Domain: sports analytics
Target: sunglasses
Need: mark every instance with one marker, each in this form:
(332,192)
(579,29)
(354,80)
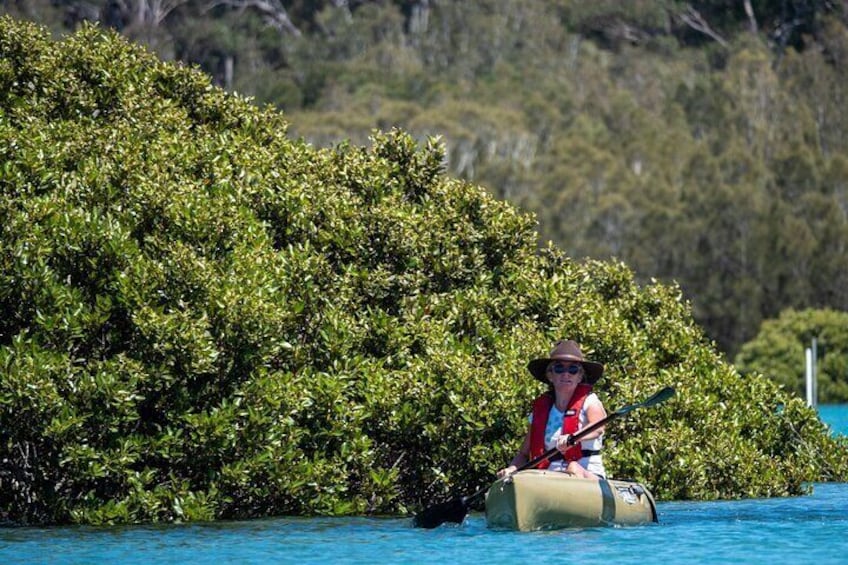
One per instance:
(561,368)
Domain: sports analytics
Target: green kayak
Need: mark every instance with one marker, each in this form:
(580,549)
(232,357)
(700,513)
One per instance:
(541,500)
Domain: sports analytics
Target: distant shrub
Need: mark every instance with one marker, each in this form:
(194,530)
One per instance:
(778,352)
(204,318)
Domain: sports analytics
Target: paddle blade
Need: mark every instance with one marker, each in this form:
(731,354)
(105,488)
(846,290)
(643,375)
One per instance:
(450,511)
(653,400)
(660,396)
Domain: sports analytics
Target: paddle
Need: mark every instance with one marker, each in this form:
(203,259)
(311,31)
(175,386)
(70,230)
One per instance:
(455,510)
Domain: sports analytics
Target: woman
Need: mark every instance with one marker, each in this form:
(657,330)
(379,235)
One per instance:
(568,406)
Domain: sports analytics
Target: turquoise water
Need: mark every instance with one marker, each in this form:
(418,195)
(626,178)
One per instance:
(808,529)
(835,416)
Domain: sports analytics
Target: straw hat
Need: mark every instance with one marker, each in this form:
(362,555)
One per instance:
(566,351)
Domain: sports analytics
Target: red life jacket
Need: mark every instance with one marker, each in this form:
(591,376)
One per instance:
(570,423)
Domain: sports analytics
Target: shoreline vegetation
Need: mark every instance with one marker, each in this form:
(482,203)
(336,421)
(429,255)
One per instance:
(207,318)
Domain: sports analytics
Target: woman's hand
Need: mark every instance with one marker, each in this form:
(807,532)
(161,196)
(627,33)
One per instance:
(507,471)
(562,443)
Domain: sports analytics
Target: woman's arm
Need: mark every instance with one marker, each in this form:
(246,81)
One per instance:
(522,457)
(595,413)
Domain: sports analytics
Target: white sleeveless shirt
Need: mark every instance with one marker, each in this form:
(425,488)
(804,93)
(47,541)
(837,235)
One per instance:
(594,463)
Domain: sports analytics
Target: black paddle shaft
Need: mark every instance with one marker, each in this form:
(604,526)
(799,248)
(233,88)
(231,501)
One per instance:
(455,509)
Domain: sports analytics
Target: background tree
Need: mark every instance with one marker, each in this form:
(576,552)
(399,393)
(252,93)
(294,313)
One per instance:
(703,142)
(779,352)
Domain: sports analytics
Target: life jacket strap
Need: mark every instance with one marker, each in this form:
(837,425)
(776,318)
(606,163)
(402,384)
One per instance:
(584,453)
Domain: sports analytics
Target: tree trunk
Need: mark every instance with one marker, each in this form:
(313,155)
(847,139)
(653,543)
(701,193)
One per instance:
(229,64)
(752,20)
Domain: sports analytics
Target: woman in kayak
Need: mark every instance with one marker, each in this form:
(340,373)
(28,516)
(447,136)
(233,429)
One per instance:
(568,406)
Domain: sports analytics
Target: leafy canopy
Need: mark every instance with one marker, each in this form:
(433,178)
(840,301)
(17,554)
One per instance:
(205,318)
(779,352)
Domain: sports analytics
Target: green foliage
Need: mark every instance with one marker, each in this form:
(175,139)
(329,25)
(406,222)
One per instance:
(205,318)
(718,168)
(778,352)
(701,143)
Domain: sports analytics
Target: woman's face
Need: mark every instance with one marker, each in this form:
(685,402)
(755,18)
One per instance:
(565,373)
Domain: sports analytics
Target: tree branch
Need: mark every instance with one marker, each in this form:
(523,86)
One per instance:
(273,12)
(146,12)
(691,17)
(752,20)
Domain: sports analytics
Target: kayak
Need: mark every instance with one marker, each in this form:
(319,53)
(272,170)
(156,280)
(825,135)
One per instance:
(542,500)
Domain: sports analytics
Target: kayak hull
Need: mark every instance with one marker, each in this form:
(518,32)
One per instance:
(541,500)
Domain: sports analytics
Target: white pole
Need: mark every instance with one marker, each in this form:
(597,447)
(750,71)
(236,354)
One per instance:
(815,374)
(809,374)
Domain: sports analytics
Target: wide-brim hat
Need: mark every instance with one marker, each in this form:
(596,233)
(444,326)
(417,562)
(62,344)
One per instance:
(566,351)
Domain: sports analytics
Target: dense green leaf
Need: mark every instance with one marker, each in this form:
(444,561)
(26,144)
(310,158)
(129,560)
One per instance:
(206,318)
